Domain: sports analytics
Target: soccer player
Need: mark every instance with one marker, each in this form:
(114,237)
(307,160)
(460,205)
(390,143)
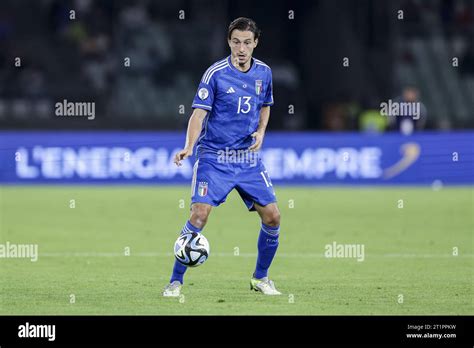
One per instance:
(231,112)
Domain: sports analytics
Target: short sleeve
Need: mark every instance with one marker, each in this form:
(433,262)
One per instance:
(204,98)
(269,95)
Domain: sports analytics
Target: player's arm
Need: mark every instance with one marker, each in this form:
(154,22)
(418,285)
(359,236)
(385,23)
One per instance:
(192,134)
(262,126)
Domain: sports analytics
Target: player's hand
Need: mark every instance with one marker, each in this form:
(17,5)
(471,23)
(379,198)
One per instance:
(181,155)
(258,142)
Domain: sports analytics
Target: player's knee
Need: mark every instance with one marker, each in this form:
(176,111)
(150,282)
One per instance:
(272,218)
(199,215)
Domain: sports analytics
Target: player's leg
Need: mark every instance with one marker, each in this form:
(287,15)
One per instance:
(210,187)
(198,219)
(267,239)
(267,247)
(256,190)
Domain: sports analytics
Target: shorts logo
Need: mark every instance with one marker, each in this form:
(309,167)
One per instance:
(258,86)
(202,189)
(203,93)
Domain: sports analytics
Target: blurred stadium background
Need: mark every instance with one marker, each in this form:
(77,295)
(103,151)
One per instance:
(325,129)
(83,59)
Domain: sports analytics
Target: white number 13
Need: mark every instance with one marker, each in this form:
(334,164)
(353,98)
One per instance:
(246,102)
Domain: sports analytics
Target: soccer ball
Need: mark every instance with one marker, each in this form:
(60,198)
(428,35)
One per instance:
(191,249)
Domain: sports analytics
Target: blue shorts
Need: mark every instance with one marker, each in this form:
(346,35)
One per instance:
(213,181)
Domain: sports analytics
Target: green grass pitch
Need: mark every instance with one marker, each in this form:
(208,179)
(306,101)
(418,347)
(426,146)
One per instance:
(409,266)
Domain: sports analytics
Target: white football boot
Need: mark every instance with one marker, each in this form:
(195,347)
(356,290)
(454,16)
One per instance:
(264,285)
(172,289)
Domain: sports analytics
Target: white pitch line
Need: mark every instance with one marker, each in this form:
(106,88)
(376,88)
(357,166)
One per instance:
(252,255)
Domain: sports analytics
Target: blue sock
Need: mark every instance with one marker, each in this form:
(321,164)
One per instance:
(179,269)
(267,247)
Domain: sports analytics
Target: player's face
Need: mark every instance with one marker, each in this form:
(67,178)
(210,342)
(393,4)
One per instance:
(242,44)
(410,94)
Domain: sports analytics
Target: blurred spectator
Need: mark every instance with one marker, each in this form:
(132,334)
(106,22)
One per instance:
(335,117)
(407,124)
(370,121)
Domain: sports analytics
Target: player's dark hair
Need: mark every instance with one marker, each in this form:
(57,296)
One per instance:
(244,24)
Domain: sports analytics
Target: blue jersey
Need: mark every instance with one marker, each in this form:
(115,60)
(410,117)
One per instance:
(233,100)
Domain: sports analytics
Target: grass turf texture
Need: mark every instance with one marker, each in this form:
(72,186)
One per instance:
(408,251)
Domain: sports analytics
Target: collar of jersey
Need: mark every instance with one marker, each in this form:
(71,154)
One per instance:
(237,70)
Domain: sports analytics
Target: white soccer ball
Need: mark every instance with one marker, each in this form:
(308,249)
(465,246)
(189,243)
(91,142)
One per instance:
(191,249)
